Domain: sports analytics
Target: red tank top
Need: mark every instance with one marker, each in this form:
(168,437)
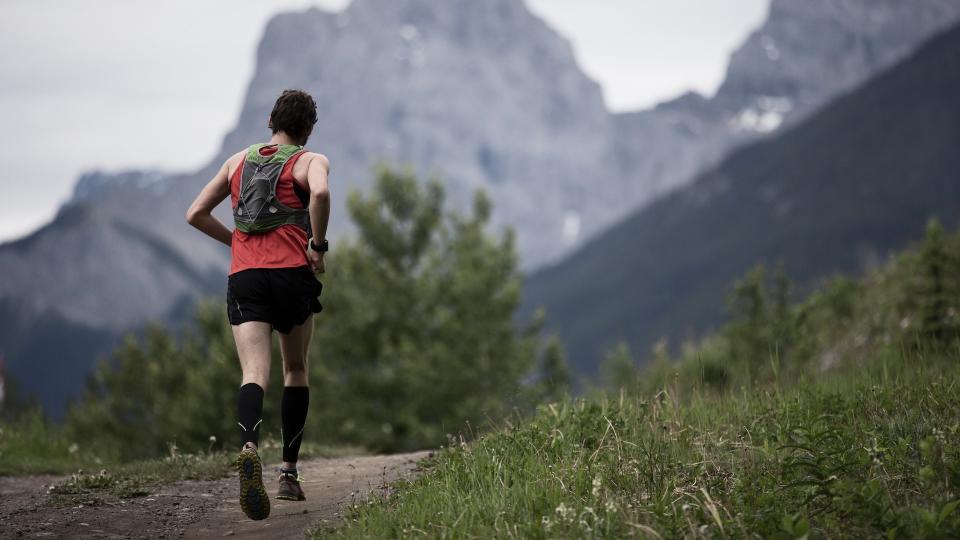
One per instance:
(283,247)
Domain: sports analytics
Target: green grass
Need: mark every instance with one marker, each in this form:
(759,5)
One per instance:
(31,445)
(867,453)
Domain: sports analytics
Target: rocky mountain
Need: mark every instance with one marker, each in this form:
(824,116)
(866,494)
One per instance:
(481,93)
(805,54)
(484,94)
(836,193)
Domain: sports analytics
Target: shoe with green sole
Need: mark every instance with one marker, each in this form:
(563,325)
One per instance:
(253,496)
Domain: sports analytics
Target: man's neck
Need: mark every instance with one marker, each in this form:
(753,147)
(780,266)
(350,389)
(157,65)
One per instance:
(282,138)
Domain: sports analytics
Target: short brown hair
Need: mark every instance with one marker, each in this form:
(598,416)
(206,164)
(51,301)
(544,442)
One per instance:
(294,113)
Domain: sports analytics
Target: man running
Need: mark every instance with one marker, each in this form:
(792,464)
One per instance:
(281,206)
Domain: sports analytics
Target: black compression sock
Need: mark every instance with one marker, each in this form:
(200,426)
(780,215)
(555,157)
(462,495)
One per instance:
(293,411)
(250,412)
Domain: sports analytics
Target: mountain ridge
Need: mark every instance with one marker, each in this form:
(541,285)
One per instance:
(486,94)
(834,194)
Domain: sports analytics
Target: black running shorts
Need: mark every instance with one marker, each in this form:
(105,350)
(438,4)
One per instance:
(283,297)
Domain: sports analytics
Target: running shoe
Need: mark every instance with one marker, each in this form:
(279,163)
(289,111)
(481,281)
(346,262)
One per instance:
(290,489)
(253,496)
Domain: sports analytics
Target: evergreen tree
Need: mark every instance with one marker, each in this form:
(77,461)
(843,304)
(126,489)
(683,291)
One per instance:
(749,333)
(937,291)
(783,324)
(157,390)
(619,370)
(417,335)
(555,378)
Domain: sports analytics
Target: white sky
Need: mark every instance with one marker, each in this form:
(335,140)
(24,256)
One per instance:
(112,83)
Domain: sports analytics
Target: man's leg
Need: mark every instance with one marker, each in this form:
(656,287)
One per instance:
(296,392)
(253,348)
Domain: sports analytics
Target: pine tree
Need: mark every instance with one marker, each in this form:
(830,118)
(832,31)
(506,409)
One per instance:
(619,370)
(417,335)
(783,327)
(555,378)
(936,294)
(749,333)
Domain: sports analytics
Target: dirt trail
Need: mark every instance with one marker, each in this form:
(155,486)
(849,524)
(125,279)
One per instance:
(207,509)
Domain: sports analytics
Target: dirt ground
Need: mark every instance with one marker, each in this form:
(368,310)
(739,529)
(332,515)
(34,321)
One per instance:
(203,509)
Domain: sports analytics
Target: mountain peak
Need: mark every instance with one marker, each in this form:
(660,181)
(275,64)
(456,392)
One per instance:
(429,10)
(809,51)
(469,23)
(483,92)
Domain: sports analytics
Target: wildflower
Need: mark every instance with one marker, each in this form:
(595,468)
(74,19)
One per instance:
(876,452)
(73,448)
(588,519)
(565,513)
(597,482)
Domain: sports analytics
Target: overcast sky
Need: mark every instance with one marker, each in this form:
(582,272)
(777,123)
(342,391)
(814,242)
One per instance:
(111,83)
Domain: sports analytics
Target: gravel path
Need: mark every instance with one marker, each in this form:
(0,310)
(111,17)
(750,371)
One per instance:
(203,509)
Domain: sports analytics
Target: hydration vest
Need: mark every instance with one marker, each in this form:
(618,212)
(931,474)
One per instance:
(258,210)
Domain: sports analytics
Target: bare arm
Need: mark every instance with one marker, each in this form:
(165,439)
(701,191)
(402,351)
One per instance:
(200,212)
(319,207)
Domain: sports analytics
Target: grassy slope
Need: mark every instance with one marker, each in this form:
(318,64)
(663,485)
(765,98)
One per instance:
(866,454)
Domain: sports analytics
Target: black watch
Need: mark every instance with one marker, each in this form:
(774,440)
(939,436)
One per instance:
(323,247)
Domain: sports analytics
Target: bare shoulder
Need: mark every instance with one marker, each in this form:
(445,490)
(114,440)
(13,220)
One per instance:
(233,162)
(236,158)
(319,158)
(305,162)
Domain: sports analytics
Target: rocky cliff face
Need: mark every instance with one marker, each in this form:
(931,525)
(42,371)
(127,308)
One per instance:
(482,94)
